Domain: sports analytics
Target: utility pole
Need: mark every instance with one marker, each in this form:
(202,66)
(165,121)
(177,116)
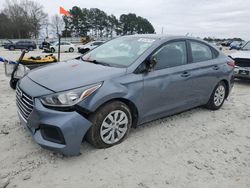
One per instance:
(59,46)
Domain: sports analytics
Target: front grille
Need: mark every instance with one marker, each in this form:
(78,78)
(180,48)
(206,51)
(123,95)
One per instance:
(242,62)
(24,103)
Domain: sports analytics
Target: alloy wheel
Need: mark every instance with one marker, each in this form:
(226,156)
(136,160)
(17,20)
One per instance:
(114,127)
(219,95)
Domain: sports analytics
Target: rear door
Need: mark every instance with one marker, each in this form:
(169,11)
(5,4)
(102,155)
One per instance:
(206,68)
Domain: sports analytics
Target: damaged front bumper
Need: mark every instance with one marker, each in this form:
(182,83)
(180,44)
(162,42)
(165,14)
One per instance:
(58,131)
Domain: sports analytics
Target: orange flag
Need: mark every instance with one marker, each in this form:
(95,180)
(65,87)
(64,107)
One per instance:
(64,12)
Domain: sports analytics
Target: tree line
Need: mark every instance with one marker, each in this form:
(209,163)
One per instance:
(22,19)
(100,24)
(27,19)
(210,39)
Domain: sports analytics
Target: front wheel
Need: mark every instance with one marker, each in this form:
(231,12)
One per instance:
(53,50)
(218,97)
(11,48)
(110,125)
(13,83)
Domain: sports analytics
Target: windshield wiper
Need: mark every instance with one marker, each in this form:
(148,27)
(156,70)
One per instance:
(98,62)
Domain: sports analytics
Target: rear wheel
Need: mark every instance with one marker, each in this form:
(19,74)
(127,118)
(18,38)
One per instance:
(218,97)
(30,48)
(111,125)
(11,48)
(71,50)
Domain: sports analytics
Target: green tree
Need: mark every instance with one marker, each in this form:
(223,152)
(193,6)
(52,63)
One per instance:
(131,24)
(23,19)
(98,23)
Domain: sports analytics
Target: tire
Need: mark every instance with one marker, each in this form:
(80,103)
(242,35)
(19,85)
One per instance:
(13,83)
(71,50)
(30,48)
(11,48)
(53,50)
(218,97)
(103,130)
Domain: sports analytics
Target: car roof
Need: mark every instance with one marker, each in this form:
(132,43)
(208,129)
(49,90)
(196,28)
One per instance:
(163,37)
(96,41)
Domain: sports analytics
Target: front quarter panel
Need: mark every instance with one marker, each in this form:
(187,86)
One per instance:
(127,87)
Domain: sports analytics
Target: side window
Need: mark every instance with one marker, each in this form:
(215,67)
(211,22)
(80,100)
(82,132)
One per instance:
(171,55)
(200,52)
(98,43)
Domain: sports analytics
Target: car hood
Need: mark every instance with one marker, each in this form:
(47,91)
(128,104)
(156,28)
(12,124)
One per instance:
(72,74)
(241,54)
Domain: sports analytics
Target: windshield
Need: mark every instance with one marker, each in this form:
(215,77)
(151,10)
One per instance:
(247,46)
(120,52)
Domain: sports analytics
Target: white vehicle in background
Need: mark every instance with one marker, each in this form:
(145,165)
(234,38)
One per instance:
(242,62)
(89,46)
(64,47)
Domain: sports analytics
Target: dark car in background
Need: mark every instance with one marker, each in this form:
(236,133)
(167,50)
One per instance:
(226,43)
(29,45)
(121,84)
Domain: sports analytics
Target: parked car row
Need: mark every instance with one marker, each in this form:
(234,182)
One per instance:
(53,46)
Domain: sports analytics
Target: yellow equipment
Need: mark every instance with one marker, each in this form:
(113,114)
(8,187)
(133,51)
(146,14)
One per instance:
(39,59)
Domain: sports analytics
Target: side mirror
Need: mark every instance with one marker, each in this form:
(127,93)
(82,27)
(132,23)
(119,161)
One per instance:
(150,64)
(147,66)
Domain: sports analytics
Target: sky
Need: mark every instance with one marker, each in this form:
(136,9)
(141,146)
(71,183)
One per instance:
(199,18)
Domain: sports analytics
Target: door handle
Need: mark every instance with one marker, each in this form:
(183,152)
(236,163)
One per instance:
(216,67)
(185,74)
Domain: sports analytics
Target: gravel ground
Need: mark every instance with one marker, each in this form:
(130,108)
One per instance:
(197,148)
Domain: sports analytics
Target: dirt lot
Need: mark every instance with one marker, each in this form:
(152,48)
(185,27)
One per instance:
(198,148)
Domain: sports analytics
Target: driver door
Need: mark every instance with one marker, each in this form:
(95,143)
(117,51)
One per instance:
(167,87)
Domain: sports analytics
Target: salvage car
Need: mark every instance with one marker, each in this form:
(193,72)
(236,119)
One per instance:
(242,62)
(89,46)
(121,84)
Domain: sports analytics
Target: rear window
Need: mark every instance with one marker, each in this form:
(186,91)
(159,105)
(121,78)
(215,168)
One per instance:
(201,52)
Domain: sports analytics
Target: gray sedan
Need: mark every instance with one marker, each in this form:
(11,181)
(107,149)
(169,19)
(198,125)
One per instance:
(119,85)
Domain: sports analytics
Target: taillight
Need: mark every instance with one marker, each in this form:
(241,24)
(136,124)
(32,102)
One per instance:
(231,63)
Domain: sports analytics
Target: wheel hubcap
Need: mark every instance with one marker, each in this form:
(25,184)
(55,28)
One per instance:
(114,127)
(219,95)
